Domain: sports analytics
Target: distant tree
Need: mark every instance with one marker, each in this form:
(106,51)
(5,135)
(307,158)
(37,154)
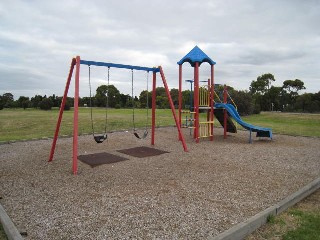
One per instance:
(23,102)
(162,102)
(161,91)
(143,99)
(125,100)
(292,87)
(7,100)
(36,100)
(303,102)
(175,96)
(260,90)
(1,103)
(186,97)
(243,101)
(46,104)
(275,98)
(101,96)
(85,101)
(262,84)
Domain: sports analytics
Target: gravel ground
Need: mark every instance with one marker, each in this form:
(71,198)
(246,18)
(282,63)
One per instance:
(176,195)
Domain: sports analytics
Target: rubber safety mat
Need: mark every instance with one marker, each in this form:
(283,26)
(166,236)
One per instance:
(142,152)
(97,159)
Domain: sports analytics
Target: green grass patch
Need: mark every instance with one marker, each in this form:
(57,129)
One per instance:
(308,229)
(296,124)
(3,235)
(19,124)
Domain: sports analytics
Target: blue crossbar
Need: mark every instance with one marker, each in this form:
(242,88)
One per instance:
(93,63)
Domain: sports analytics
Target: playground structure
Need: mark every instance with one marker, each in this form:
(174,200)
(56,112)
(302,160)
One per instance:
(75,64)
(203,99)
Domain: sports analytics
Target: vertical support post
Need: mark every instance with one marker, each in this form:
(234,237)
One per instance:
(63,103)
(225,112)
(212,101)
(76,118)
(173,110)
(180,97)
(196,101)
(180,93)
(153,127)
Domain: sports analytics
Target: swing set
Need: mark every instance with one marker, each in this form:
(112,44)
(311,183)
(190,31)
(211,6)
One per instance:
(99,138)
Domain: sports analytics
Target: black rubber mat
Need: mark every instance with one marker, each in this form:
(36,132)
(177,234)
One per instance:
(142,152)
(97,159)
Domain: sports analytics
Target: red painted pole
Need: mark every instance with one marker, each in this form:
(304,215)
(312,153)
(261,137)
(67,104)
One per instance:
(196,100)
(211,100)
(76,118)
(225,112)
(173,110)
(63,103)
(180,93)
(154,83)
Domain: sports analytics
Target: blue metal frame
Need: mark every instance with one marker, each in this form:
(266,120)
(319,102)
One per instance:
(93,63)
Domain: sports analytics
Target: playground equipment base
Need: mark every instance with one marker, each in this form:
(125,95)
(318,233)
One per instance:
(142,152)
(97,159)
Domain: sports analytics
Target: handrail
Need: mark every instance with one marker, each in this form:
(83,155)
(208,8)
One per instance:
(217,96)
(235,105)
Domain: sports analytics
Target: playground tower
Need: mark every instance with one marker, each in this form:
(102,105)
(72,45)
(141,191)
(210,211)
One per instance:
(196,57)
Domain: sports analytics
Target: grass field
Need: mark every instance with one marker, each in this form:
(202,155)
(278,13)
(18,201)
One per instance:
(19,124)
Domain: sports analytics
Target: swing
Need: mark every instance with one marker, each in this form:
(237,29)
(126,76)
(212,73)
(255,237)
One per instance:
(135,133)
(99,138)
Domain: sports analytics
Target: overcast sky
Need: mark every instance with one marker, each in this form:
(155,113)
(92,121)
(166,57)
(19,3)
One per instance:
(246,38)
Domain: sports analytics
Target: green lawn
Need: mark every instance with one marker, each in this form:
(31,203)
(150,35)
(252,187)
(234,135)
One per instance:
(3,235)
(297,124)
(19,124)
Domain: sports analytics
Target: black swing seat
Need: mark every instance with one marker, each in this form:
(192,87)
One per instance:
(100,138)
(145,134)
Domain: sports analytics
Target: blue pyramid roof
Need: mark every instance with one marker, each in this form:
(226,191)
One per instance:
(196,55)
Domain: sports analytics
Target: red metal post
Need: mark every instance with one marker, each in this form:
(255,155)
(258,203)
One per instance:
(196,101)
(154,83)
(76,118)
(211,100)
(225,112)
(63,103)
(173,110)
(180,93)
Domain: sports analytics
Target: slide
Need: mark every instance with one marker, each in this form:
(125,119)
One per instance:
(261,132)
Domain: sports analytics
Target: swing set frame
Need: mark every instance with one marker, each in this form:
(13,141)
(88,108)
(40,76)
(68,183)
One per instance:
(75,64)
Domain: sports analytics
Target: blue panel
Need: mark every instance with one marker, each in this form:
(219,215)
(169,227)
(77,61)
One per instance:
(114,65)
(196,55)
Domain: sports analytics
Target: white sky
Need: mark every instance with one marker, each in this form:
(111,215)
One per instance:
(245,37)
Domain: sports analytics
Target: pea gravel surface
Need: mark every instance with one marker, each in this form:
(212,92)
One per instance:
(176,195)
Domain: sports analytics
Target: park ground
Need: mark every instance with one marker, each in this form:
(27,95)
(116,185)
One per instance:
(300,125)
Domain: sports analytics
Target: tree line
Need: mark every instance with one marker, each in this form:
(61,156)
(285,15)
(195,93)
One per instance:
(261,96)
